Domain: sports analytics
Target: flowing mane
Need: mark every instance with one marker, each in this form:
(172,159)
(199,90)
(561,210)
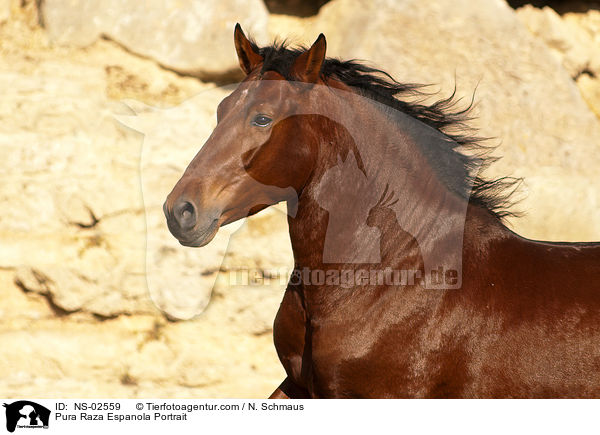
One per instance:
(457,162)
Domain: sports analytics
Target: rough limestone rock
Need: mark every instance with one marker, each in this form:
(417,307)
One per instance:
(82,194)
(79,313)
(63,163)
(590,89)
(227,352)
(577,48)
(188,36)
(589,78)
(574,39)
(525,98)
(4,10)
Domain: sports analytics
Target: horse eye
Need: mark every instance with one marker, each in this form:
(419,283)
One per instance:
(261,121)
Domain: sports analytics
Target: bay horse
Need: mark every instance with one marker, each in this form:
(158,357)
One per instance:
(378,183)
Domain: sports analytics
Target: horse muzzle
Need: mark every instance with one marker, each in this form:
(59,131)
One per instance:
(190,225)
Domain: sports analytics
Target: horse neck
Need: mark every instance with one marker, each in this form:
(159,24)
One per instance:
(426,211)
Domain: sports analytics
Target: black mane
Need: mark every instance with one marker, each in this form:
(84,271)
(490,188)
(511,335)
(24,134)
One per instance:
(457,162)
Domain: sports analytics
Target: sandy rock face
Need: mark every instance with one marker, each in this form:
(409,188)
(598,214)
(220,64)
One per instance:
(187,36)
(574,39)
(4,10)
(81,197)
(575,46)
(83,222)
(64,161)
(590,89)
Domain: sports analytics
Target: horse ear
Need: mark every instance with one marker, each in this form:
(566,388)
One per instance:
(307,66)
(247,55)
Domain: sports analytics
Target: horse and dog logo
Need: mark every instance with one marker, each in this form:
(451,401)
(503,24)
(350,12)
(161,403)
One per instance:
(26,414)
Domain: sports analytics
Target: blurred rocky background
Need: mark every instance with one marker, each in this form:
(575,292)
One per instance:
(81,187)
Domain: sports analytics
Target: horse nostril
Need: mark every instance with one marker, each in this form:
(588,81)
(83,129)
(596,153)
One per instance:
(185,214)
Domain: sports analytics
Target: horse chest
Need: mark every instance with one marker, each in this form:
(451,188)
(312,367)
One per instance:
(331,358)
(289,335)
(299,347)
